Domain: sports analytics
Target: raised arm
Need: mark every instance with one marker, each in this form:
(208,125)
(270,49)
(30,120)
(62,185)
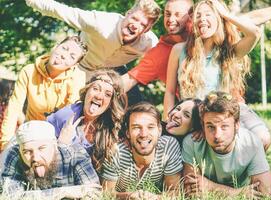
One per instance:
(259,16)
(171,84)
(128,82)
(245,25)
(75,17)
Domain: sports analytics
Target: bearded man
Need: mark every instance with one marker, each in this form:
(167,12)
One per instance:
(39,163)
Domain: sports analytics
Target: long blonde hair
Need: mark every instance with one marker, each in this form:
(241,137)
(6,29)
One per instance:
(107,126)
(233,69)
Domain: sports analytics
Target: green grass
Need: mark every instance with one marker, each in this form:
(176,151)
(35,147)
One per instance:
(265,114)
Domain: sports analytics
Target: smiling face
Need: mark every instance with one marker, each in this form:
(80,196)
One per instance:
(65,56)
(134,24)
(143,133)
(180,118)
(176,16)
(206,21)
(38,155)
(98,97)
(220,131)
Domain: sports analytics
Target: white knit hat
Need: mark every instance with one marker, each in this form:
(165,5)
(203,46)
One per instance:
(35,130)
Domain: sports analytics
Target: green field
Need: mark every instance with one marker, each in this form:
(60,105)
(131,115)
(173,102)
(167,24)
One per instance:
(265,113)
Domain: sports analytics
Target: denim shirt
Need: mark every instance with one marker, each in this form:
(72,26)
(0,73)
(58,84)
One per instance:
(73,168)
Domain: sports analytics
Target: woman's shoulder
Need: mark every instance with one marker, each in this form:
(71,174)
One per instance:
(67,111)
(179,47)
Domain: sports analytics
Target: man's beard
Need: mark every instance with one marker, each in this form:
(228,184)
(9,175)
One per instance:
(36,182)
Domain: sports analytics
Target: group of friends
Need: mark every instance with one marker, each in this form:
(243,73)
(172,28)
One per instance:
(86,127)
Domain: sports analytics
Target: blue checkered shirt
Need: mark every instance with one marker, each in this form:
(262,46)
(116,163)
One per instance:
(74,168)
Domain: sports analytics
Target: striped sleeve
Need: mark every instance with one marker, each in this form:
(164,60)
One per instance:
(174,157)
(110,168)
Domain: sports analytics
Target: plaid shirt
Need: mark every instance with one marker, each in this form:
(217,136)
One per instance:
(74,168)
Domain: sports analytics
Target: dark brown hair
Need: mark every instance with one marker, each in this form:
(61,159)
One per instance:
(220,102)
(141,107)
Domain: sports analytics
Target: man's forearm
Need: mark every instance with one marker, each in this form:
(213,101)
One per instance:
(122,195)
(259,16)
(215,187)
(128,82)
(210,186)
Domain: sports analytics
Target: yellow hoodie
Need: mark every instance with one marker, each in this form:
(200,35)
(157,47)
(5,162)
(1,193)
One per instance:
(43,94)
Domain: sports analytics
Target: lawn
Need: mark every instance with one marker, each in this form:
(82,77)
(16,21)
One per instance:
(265,113)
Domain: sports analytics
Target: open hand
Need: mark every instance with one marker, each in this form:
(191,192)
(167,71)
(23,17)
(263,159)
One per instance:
(221,8)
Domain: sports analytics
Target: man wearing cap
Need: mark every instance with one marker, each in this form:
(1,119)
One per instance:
(38,162)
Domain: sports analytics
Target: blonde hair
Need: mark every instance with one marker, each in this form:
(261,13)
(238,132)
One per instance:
(149,7)
(233,69)
(108,124)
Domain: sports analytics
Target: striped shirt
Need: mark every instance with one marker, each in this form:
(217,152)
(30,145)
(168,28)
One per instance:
(167,161)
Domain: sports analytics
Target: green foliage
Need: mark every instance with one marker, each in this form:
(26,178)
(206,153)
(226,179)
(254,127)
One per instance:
(147,185)
(265,114)
(253,93)
(26,34)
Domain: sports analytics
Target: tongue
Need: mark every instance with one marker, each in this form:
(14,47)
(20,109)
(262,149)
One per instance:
(203,29)
(40,171)
(170,125)
(93,108)
(130,31)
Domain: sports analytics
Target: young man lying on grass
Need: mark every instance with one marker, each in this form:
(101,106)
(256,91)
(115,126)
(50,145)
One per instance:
(143,158)
(52,170)
(230,160)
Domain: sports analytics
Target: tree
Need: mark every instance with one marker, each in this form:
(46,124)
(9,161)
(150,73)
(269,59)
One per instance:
(25,34)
